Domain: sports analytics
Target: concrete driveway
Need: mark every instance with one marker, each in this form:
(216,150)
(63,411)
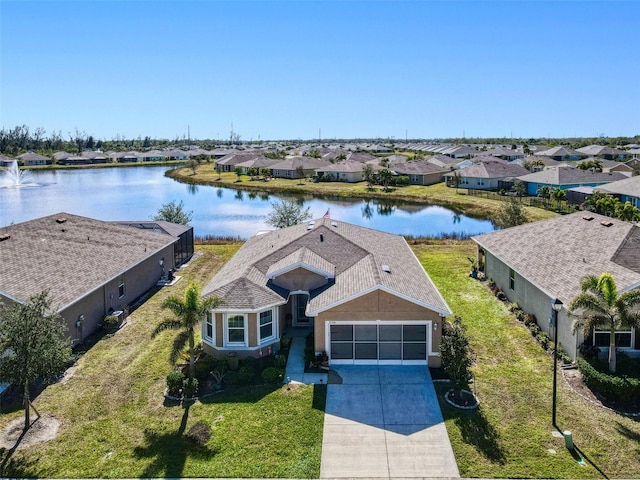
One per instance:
(384,422)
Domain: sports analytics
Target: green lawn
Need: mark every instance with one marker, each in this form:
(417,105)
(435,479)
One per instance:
(437,194)
(114,423)
(510,435)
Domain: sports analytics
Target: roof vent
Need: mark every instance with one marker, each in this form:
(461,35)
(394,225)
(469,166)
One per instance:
(61,220)
(309,227)
(4,236)
(312,222)
(334,224)
(606,223)
(588,218)
(386,268)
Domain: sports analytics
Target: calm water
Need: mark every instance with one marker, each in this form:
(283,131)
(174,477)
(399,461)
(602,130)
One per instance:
(137,193)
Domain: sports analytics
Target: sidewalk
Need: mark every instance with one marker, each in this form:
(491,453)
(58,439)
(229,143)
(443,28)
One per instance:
(295,362)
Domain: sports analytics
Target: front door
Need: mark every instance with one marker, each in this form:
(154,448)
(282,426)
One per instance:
(299,306)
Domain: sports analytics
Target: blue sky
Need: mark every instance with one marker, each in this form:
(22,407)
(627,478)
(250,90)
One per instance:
(285,70)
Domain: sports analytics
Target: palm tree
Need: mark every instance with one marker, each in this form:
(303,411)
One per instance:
(605,308)
(188,312)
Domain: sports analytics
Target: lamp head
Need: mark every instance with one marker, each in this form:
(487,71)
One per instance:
(556,304)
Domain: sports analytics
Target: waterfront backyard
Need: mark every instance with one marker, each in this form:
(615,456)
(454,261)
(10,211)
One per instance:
(114,421)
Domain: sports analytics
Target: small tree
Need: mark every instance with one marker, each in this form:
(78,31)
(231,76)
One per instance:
(456,353)
(300,172)
(367,173)
(511,213)
(238,172)
(603,307)
(559,196)
(34,345)
(286,213)
(193,164)
(174,212)
(545,193)
(384,177)
(188,312)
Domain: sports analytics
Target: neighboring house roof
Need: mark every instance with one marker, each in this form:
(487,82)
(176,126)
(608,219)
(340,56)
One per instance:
(258,162)
(70,255)
(418,167)
(491,169)
(629,187)
(346,166)
(308,163)
(608,165)
(235,158)
(173,229)
(62,155)
(94,155)
(354,255)
(564,175)
(600,150)
(361,157)
(31,156)
(442,160)
(556,254)
(559,152)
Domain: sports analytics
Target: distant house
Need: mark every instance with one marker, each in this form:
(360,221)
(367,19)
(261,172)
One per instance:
(259,163)
(153,156)
(627,190)
(345,171)
(288,168)
(566,177)
(31,159)
(505,153)
(6,161)
(561,153)
(362,291)
(537,262)
(420,172)
(459,151)
(488,174)
(607,153)
(90,267)
(228,162)
(443,161)
(611,166)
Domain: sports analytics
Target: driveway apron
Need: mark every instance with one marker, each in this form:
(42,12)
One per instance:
(384,422)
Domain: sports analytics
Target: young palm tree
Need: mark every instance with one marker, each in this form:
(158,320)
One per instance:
(604,308)
(188,314)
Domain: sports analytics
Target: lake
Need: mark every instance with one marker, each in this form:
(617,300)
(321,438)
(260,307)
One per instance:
(136,193)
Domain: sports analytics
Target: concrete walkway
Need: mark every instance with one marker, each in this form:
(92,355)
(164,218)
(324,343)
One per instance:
(295,362)
(385,422)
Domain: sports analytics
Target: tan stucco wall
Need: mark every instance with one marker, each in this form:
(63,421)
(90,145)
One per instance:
(219,330)
(534,301)
(252,326)
(300,279)
(377,305)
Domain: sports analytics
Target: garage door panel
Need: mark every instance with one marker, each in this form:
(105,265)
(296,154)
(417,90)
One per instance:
(366,351)
(414,351)
(390,351)
(341,351)
(341,333)
(366,333)
(390,333)
(414,333)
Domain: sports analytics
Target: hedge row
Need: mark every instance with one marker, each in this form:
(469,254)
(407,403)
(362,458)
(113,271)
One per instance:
(609,386)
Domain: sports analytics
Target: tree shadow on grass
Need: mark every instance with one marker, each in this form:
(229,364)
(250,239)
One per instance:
(20,467)
(168,452)
(477,431)
(627,432)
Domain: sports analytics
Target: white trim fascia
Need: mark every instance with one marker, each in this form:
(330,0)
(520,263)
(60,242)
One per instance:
(12,298)
(300,264)
(633,286)
(386,290)
(248,310)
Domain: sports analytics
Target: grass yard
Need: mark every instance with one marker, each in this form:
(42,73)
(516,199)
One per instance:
(509,436)
(114,422)
(437,194)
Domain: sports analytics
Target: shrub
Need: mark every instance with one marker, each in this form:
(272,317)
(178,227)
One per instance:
(543,339)
(205,365)
(610,386)
(246,374)
(520,315)
(530,319)
(491,283)
(199,434)
(533,328)
(279,360)
(175,380)
(514,307)
(110,322)
(232,378)
(190,386)
(501,296)
(456,353)
(272,375)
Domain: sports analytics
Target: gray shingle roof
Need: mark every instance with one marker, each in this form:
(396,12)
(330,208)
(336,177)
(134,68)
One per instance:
(566,175)
(628,186)
(491,169)
(556,254)
(71,258)
(357,253)
(302,256)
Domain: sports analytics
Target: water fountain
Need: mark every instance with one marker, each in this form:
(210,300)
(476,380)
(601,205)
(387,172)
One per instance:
(14,177)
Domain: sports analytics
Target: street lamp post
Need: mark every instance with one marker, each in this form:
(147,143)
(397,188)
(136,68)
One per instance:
(556,306)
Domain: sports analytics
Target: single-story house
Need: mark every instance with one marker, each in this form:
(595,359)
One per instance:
(561,153)
(228,162)
(288,168)
(611,166)
(627,190)
(443,161)
(363,292)
(90,267)
(31,159)
(420,172)
(602,151)
(505,153)
(565,177)
(257,162)
(537,262)
(6,161)
(487,174)
(345,171)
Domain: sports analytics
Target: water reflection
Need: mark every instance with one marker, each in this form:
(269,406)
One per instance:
(141,191)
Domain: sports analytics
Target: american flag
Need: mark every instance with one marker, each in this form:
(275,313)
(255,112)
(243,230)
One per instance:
(326,215)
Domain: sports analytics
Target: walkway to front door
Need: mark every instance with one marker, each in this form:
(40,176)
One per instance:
(385,422)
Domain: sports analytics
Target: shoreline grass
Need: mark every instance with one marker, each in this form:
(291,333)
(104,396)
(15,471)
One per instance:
(439,194)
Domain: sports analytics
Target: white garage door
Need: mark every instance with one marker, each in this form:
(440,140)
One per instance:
(377,343)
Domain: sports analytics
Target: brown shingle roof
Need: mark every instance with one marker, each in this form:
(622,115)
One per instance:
(556,254)
(357,253)
(71,258)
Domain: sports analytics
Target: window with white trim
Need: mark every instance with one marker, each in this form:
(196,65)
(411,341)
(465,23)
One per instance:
(512,279)
(209,327)
(266,325)
(236,330)
(623,338)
